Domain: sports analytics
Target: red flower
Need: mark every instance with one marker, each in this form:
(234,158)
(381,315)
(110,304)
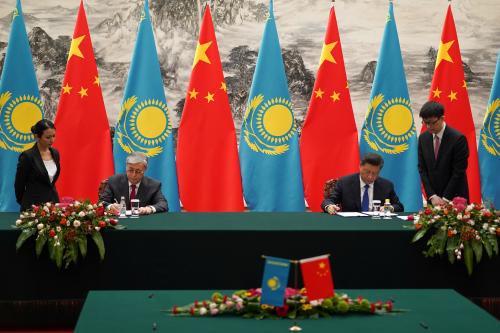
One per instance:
(388,306)
(63,222)
(196,303)
(372,308)
(225,299)
(102,224)
(99,211)
(498,232)
(411,217)
(360,299)
(428,211)
(43,213)
(487,213)
(52,233)
(450,233)
(191,311)
(418,226)
(205,304)
(282,311)
(113,221)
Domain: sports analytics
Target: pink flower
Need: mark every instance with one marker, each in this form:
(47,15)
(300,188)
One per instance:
(214,311)
(459,203)
(282,311)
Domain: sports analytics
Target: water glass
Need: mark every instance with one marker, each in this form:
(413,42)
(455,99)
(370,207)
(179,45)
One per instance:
(134,205)
(376,209)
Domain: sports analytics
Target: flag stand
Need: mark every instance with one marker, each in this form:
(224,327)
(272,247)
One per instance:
(295,327)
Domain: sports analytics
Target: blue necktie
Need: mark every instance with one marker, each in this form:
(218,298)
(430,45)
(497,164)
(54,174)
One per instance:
(366,200)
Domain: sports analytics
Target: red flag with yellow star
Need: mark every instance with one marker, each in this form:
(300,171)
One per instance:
(83,137)
(317,277)
(449,89)
(329,141)
(208,169)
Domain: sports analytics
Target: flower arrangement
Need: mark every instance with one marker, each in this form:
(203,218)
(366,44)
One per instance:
(459,229)
(246,303)
(64,229)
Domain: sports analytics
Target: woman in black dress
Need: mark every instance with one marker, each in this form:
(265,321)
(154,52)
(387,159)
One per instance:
(38,168)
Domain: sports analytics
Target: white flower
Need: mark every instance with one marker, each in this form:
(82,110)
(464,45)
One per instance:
(443,227)
(36,220)
(18,222)
(58,229)
(40,232)
(30,223)
(485,226)
(76,223)
(239,306)
(97,228)
(459,216)
(469,208)
(471,222)
(68,223)
(73,213)
(48,204)
(314,303)
(55,237)
(478,237)
(46,209)
(212,306)
(438,208)
(454,231)
(76,203)
(229,304)
(90,207)
(203,311)
(32,215)
(81,214)
(492,230)
(222,307)
(39,226)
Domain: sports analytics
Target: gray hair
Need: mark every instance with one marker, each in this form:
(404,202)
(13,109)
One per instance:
(137,157)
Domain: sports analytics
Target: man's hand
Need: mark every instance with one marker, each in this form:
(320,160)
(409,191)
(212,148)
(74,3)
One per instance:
(145,210)
(437,201)
(332,209)
(115,208)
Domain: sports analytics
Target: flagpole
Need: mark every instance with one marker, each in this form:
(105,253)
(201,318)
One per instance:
(295,327)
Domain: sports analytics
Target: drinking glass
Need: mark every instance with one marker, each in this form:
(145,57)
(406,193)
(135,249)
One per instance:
(134,205)
(376,209)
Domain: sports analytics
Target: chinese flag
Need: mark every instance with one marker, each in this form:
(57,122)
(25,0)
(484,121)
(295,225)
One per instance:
(329,142)
(449,88)
(208,169)
(83,137)
(317,277)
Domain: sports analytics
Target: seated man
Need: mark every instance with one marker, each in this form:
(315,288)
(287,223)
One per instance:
(355,193)
(134,185)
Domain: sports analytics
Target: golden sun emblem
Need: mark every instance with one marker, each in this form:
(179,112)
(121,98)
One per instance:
(269,125)
(274,283)
(389,125)
(490,134)
(143,127)
(17,115)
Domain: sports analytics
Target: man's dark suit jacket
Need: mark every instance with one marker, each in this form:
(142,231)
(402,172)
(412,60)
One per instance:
(149,192)
(32,184)
(347,194)
(447,176)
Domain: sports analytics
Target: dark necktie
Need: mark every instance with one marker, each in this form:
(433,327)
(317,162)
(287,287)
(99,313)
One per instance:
(436,146)
(132,192)
(365,203)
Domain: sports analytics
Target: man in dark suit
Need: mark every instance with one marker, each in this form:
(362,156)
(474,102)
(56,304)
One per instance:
(442,157)
(134,184)
(355,193)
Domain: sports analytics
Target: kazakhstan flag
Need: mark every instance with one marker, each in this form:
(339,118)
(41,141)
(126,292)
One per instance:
(144,124)
(269,150)
(489,145)
(20,107)
(389,128)
(274,281)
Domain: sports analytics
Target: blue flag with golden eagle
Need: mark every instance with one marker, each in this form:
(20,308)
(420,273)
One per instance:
(489,145)
(269,149)
(20,107)
(389,127)
(144,124)
(274,281)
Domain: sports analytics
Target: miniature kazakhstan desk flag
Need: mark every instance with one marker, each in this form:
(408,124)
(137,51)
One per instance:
(274,281)
(20,107)
(144,124)
(389,128)
(269,148)
(489,145)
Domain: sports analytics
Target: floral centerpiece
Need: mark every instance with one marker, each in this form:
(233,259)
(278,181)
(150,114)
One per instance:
(246,303)
(460,230)
(64,229)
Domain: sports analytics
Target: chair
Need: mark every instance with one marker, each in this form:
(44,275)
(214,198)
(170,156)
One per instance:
(329,187)
(102,187)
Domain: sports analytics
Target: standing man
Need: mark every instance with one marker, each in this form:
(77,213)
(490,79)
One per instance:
(442,157)
(134,185)
(355,193)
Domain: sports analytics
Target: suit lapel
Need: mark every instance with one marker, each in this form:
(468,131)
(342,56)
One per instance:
(124,188)
(141,192)
(37,160)
(356,187)
(443,144)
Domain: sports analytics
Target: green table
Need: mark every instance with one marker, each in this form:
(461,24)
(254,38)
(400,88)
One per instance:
(438,310)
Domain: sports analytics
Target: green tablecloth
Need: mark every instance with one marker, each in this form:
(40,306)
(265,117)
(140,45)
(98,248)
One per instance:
(429,311)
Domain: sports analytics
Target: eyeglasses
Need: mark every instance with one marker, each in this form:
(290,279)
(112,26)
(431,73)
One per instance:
(430,123)
(135,171)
